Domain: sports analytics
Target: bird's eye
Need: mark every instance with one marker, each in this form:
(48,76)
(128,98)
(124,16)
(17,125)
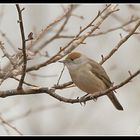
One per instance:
(71,59)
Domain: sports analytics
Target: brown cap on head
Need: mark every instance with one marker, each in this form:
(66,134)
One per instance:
(73,55)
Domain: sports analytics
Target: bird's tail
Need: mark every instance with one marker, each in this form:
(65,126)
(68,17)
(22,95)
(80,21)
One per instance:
(115,101)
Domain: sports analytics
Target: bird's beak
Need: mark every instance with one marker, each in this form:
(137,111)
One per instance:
(62,61)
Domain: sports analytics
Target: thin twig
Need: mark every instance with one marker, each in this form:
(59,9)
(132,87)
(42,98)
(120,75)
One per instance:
(91,23)
(28,84)
(50,26)
(123,40)
(23,47)
(60,75)
(122,20)
(103,32)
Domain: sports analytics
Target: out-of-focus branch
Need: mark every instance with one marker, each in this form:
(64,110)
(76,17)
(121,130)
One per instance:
(58,32)
(11,126)
(6,54)
(122,20)
(50,26)
(1,13)
(42,76)
(123,40)
(133,7)
(5,128)
(8,40)
(34,110)
(20,21)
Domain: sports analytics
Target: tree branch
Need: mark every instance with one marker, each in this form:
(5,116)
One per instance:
(58,32)
(76,41)
(123,40)
(23,47)
(52,93)
(50,26)
(104,32)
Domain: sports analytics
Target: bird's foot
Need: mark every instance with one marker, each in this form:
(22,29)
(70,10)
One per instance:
(84,98)
(91,96)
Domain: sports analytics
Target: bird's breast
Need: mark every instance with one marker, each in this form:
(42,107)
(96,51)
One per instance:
(87,81)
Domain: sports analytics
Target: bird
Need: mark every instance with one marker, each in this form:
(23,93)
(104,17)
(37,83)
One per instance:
(89,76)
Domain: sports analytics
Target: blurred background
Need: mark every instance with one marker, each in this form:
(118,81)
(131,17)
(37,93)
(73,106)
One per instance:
(44,115)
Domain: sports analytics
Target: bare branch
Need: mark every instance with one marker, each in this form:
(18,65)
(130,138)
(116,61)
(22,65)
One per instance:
(103,32)
(50,26)
(23,46)
(76,41)
(123,40)
(52,93)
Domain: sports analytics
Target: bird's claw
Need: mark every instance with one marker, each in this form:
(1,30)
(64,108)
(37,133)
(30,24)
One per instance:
(91,96)
(82,100)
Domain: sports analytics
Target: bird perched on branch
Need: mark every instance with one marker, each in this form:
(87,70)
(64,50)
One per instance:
(89,76)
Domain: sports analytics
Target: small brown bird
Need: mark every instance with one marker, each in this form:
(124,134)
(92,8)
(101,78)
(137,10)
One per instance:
(89,76)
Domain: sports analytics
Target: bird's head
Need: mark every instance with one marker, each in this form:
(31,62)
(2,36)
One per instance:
(74,59)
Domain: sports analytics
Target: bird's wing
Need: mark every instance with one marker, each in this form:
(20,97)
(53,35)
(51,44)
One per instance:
(99,71)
